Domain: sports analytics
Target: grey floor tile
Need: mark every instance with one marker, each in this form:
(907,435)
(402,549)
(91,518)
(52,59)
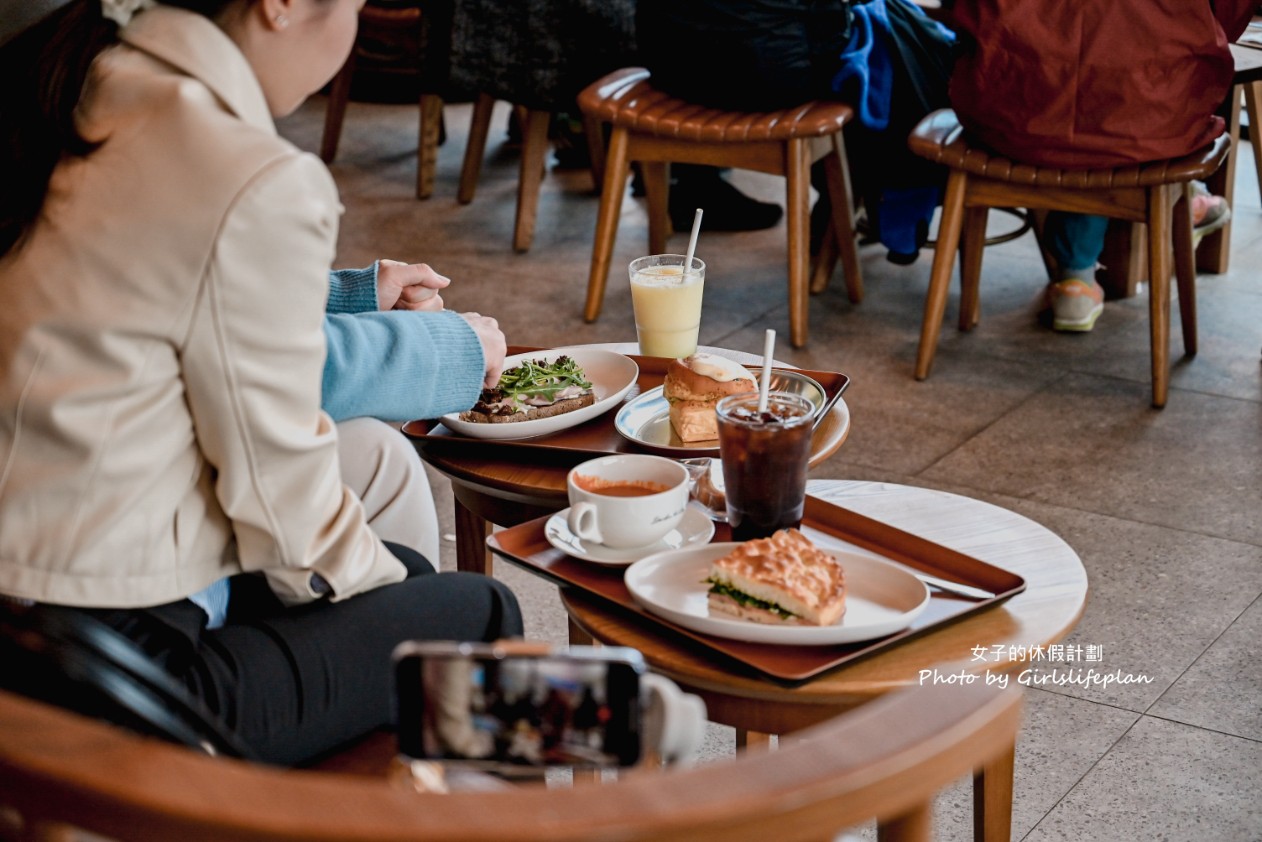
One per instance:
(1093,443)
(1223,689)
(1158,598)
(1061,739)
(1164,781)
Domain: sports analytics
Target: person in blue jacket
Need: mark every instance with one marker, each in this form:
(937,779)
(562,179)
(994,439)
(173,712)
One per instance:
(884,57)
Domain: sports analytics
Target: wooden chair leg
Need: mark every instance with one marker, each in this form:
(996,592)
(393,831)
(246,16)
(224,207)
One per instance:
(747,740)
(534,153)
(1159,227)
(427,143)
(476,148)
(1185,264)
(1214,250)
(972,247)
(656,176)
(607,222)
(335,110)
(825,262)
(595,132)
(1038,222)
(1125,259)
(797,202)
(1253,107)
(913,826)
(940,274)
(992,799)
(841,195)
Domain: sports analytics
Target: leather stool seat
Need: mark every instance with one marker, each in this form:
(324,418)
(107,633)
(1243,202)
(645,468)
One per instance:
(1157,194)
(629,101)
(940,138)
(656,129)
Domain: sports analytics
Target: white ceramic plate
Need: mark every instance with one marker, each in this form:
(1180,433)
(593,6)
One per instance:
(645,419)
(695,528)
(880,598)
(612,376)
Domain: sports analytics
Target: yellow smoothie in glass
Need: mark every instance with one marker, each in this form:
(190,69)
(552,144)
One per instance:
(667,304)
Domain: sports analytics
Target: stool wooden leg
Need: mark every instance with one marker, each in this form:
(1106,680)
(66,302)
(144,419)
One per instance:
(657,195)
(427,144)
(841,195)
(940,275)
(1253,107)
(916,825)
(992,799)
(1185,265)
(475,148)
(607,222)
(595,133)
(335,111)
(1215,249)
(825,262)
(1159,291)
(752,740)
(797,200)
(972,246)
(534,153)
(1038,221)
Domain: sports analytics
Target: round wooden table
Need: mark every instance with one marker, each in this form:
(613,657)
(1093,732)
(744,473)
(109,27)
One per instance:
(507,487)
(1055,595)
(997,641)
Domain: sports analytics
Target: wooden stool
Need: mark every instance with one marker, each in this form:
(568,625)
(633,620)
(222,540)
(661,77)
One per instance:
(656,130)
(399,25)
(1148,193)
(534,154)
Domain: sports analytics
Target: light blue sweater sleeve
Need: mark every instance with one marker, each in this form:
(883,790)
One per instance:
(353,290)
(399,365)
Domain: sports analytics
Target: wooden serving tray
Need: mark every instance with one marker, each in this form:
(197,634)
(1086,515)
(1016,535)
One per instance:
(827,524)
(599,436)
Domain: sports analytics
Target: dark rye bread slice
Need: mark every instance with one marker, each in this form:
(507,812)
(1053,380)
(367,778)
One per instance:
(558,408)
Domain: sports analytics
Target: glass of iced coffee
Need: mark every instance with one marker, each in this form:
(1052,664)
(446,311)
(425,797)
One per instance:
(667,304)
(765,455)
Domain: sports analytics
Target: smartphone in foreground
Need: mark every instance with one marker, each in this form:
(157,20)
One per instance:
(512,707)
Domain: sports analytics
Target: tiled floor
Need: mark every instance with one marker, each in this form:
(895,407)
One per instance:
(1164,507)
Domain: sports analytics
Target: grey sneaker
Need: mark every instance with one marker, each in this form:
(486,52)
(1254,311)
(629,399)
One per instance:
(1209,212)
(1076,304)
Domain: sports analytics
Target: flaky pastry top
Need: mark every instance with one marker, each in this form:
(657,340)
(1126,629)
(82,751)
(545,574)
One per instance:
(789,562)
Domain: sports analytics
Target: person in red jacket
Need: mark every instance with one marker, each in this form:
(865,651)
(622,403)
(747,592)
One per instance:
(1094,85)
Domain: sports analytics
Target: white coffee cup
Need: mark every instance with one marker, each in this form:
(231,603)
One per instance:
(626,500)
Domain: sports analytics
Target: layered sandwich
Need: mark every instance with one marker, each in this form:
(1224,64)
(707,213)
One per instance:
(533,389)
(694,385)
(784,579)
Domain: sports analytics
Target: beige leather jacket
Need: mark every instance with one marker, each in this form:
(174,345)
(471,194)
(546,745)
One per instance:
(161,347)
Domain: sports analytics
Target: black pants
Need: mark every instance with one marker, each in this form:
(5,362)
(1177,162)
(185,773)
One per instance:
(298,683)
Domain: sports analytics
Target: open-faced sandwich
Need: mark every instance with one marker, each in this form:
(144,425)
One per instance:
(694,385)
(784,579)
(533,389)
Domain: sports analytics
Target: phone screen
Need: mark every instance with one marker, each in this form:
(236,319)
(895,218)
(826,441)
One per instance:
(503,711)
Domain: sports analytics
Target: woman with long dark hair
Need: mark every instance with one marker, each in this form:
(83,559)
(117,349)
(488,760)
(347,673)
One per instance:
(165,465)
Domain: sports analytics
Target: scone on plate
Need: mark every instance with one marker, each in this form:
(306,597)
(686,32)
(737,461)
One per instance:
(694,385)
(784,579)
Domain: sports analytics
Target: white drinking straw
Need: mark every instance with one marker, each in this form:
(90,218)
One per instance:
(768,349)
(692,245)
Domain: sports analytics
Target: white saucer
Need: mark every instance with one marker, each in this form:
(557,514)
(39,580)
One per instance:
(695,528)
